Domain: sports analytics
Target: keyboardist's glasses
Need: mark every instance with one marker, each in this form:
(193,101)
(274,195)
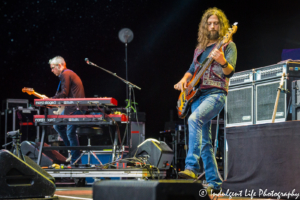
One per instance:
(53,66)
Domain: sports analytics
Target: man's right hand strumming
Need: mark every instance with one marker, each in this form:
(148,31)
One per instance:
(182,84)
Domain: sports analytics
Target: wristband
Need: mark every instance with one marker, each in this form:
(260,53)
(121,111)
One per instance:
(225,65)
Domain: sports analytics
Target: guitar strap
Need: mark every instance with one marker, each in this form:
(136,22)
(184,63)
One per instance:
(58,88)
(60,82)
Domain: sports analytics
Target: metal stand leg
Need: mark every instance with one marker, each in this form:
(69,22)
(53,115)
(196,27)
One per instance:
(175,153)
(216,137)
(41,146)
(79,157)
(18,149)
(89,152)
(185,138)
(96,158)
(14,119)
(115,146)
(5,130)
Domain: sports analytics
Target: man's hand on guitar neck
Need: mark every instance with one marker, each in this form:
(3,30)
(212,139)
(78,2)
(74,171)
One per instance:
(45,97)
(219,57)
(182,84)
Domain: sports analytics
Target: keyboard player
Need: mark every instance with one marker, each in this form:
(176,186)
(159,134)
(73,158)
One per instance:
(70,86)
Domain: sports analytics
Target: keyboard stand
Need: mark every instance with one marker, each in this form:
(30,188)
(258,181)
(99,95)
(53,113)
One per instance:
(44,124)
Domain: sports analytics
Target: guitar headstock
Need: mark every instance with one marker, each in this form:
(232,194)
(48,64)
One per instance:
(282,80)
(229,33)
(29,91)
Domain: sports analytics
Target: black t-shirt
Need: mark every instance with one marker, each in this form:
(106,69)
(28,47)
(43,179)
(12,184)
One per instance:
(71,87)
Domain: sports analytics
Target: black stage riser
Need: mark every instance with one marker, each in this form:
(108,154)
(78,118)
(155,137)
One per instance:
(263,157)
(19,179)
(148,190)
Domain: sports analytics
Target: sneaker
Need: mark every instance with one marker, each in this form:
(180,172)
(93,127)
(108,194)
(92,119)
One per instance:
(211,189)
(69,159)
(187,174)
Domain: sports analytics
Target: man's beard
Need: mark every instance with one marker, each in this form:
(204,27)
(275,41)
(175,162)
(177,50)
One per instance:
(213,35)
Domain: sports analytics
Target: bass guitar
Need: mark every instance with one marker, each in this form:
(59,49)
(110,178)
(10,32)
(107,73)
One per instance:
(187,96)
(31,91)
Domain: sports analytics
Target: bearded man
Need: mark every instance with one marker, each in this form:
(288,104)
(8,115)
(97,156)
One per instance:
(214,89)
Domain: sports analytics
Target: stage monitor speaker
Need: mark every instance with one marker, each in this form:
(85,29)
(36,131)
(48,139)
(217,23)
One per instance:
(149,190)
(21,179)
(239,106)
(265,96)
(31,149)
(160,154)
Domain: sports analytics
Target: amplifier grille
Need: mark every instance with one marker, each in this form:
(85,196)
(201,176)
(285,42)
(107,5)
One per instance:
(239,106)
(266,94)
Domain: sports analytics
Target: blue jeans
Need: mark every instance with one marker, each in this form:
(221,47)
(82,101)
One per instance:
(68,134)
(204,109)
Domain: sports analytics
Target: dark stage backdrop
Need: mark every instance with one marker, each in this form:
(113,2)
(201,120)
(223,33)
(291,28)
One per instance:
(165,32)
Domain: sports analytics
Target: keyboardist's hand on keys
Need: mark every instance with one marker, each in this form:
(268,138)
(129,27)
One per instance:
(45,97)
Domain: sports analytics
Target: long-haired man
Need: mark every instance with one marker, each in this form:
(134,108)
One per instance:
(214,88)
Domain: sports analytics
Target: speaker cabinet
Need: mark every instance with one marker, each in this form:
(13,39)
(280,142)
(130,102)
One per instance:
(296,100)
(160,154)
(254,104)
(239,106)
(21,179)
(266,93)
(31,149)
(149,190)
(252,94)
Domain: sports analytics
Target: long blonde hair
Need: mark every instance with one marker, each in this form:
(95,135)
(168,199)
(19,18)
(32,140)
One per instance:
(203,30)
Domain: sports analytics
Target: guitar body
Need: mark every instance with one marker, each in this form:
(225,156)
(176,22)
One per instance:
(184,102)
(59,111)
(188,96)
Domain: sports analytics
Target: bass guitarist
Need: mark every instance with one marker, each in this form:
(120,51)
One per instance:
(214,87)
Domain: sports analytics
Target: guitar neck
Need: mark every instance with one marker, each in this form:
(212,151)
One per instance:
(38,95)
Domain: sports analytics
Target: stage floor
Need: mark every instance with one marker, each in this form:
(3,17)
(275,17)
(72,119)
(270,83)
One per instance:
(68,193)
(86,193)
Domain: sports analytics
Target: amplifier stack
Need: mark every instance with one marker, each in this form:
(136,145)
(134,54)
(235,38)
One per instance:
(252,94)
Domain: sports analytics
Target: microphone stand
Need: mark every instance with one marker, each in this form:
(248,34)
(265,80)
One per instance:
(129,84)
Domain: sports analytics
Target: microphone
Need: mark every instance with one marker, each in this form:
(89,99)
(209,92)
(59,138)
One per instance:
(87,60)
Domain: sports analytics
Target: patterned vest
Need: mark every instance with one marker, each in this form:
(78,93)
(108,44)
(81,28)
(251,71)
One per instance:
(213,77)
